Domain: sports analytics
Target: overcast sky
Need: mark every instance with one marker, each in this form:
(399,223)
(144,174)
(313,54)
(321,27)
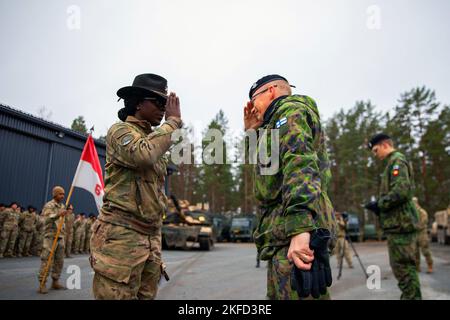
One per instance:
(72,56)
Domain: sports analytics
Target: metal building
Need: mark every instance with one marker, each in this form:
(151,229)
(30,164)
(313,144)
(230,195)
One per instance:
(36,155)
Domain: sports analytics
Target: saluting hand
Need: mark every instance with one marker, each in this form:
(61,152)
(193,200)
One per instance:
(251,120)
(173,106)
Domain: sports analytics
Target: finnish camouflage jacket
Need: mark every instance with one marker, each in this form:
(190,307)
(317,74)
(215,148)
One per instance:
(50,214)
(293,199)
(398,213)
(135,172)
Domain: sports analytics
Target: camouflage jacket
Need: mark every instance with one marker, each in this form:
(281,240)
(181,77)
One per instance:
(293,198)
(341,227)
(79,225)
(27,221)
(88,226)
(69,221)
(398,213)
(51,218)
(423,217)
(135,172)
(11,219)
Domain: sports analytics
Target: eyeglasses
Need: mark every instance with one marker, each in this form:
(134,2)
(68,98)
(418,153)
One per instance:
(261,92)
(158,103)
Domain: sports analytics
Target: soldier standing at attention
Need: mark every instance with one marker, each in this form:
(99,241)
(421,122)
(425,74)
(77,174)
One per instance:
(293,203)
(38,235)
(88,227)
(70,218)
(80,233)
(27,225)
(2,216)
(422,238)
(10,230)
(342,246)
(52,212)
(130,267)
(398,215)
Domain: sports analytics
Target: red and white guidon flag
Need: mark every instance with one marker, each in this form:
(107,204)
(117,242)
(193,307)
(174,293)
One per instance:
(89,173)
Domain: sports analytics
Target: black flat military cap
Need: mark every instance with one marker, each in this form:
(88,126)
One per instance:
(264,80)
(376,139)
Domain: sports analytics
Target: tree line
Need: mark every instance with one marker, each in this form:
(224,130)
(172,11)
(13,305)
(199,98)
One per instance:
(418,124)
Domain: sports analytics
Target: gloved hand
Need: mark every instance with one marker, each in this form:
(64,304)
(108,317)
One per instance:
(373,206)
(315,281)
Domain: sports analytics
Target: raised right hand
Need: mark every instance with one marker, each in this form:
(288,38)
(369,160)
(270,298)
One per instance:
(251,117)
(173,106)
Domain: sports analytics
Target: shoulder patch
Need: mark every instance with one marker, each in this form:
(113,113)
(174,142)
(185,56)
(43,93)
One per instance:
(126,139)
(280,122)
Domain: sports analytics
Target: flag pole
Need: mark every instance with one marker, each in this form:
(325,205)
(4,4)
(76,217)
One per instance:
(55,241)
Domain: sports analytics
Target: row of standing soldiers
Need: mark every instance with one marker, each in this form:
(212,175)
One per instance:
(22,232)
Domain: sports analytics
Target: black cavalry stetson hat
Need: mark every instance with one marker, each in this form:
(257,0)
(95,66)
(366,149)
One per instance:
(145,85)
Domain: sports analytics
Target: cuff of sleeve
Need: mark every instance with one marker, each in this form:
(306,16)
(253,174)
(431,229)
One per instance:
(174,122)
(299,223)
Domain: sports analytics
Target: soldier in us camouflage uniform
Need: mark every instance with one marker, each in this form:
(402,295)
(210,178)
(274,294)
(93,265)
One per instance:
(130,266)
(69,221)
(38,236)
(79,228)
(89,223)
(422,238)
(398,215)
(2,215)
(10,231)
(293,195)
(27,225)
(52,212)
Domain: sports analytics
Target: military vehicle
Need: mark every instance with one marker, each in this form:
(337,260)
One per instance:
(242,228)
(221,227)
(182,226)
(352,226)
(442,221)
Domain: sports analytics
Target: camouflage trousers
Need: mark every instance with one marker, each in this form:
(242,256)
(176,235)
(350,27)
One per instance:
(423,245)
(57,263)
(36,244)
(68,242)
(127,264)
(78,243)
(342,249)
(87,242)
(279,279)
(25,238)
(8,238)
(402,258)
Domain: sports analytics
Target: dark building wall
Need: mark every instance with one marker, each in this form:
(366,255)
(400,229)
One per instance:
(36,155)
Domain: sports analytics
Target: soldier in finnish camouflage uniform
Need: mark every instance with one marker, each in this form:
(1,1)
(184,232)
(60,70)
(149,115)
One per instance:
(79,229)
(422,238)
(52,212)
(69,221)
(27,225)
(8,236)
(130,267)
(398,215)
(293,196)
(342,247)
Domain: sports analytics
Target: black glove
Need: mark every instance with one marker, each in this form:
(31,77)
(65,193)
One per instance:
(373,206)
(315,281)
